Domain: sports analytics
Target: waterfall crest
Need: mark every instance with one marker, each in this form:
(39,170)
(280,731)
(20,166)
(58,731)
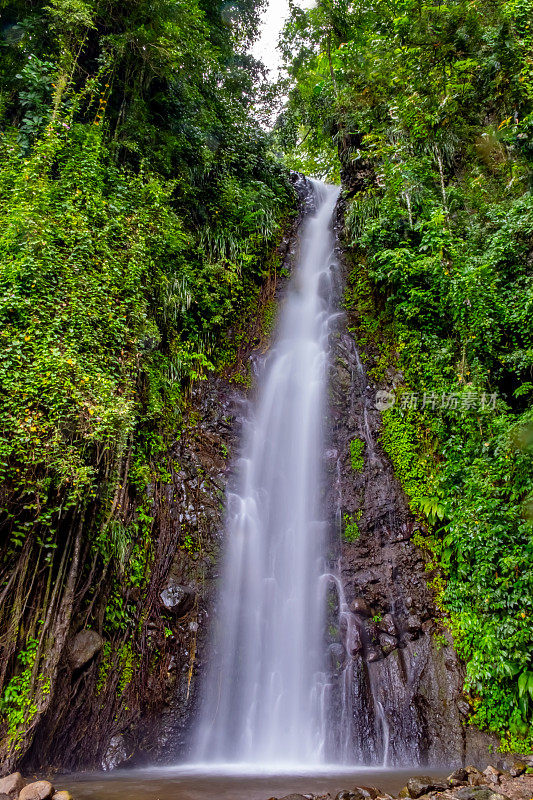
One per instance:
(265,699)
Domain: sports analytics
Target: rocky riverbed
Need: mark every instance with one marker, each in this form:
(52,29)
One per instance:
(468,783)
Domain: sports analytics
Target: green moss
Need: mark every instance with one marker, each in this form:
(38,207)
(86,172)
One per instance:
(357,447)
(270,311)
(351,530)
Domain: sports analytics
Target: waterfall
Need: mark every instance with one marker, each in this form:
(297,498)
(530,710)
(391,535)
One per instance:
(265,698)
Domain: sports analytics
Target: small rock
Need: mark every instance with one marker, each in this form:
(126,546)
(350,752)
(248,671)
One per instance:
(387,625)
(63,795)
(40,790)
(347,794)
(388,643)
(478,793)
(458,777)
(413,623)
(492,774)
(475,777)
(177,599)
(83,647)
(374,655)
(423,785)
(11,784)
(518,768)
(360,606)
(368,791)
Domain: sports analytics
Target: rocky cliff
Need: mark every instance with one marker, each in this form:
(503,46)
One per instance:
(395,666)
(397,683)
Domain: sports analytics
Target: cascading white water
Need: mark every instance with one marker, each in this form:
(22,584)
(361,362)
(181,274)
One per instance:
(265,701)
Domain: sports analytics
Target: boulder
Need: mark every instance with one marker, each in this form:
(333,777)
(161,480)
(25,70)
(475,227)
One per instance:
(492,774)
(388,643)
(368,791)
(177,599)
(458,777)
(83,648)
(387,625)
(374,654)
(475,777)
(348,794)
(11,784)
(518,768)
(360,606)
(423,784)
(479,793)
(40,790)
(62,795)
(413,623)
(6,797)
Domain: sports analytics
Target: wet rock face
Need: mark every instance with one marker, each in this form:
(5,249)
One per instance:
(206,452)
(399,694)
(117,753)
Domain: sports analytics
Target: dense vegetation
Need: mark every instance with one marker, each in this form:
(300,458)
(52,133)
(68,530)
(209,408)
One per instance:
(138,204)
(425,109)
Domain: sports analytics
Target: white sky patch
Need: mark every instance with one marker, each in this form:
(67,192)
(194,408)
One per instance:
(273,19)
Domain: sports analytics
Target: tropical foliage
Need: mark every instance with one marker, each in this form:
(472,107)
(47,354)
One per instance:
(138,205)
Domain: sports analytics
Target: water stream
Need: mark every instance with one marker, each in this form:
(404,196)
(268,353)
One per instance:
(265,700)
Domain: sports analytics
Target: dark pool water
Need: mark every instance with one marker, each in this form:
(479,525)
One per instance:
(195,784)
